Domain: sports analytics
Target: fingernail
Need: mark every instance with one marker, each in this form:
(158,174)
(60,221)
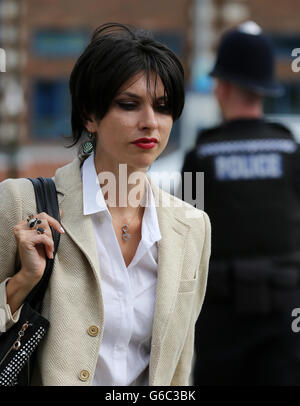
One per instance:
(51,255)
(62,230)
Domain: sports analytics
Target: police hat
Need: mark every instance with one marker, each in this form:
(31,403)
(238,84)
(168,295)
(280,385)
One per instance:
(246,57)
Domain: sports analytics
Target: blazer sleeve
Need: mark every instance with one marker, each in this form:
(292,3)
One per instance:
(183,370)
(10,215)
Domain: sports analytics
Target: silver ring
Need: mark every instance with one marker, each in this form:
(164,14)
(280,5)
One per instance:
(31,220)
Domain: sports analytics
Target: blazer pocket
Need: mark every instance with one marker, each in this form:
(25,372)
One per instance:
(187,285)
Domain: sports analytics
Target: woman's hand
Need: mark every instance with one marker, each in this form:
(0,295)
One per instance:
(33,248)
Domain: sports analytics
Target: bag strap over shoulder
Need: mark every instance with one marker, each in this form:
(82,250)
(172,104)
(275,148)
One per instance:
(46,201)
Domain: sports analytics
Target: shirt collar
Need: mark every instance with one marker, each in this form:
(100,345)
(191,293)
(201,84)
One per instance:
(94,202)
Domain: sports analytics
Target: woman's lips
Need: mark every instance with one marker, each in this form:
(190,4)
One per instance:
(145,143)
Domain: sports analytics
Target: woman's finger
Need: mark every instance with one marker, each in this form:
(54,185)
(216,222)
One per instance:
(30,239)
(51,221)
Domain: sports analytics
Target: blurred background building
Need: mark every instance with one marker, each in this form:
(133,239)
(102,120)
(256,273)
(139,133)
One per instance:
(43,38)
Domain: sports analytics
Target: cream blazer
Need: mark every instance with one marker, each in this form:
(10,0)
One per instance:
(73,301)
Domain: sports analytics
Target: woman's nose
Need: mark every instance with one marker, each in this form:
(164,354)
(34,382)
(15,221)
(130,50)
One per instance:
(148,118)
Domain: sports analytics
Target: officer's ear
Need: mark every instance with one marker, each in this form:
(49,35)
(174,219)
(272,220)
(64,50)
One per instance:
(222,89)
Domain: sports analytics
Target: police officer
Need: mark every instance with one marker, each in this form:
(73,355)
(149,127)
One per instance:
(252,195)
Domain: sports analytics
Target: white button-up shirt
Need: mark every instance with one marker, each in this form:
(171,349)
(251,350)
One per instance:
(128,292)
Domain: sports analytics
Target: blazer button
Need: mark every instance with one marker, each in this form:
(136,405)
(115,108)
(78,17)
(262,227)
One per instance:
(93,331)
(84,375)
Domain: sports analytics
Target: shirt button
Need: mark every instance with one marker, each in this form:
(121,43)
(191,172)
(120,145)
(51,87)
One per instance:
(84,375)
(93,331)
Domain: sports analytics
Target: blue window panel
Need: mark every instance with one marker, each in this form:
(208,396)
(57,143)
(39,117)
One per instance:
(51,109)
(59,43)
(172,40)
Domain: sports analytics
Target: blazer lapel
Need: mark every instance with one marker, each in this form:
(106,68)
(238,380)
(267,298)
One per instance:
(170,259)
(78,226)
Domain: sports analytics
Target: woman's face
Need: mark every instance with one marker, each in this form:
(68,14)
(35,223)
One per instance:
(136,128)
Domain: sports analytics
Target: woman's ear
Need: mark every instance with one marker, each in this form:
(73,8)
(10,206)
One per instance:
(91,124)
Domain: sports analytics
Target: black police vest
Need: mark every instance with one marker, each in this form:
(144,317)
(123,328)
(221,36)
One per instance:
(251,190)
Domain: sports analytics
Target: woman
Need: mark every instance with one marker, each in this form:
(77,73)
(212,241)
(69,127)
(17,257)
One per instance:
(129,277)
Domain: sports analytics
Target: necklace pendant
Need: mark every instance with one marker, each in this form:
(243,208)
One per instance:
(125,235)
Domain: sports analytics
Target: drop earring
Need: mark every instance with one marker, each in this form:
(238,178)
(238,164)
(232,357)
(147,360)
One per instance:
(88,146)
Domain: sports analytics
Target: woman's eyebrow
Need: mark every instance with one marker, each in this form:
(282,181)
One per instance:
(129,94)
(136,96)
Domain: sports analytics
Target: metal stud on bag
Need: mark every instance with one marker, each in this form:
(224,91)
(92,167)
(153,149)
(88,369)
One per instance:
(9,375)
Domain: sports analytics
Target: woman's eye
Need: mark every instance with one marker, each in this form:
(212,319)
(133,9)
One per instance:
(127,106)
(163,108)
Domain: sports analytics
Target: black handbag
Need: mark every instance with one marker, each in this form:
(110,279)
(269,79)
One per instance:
(19,343)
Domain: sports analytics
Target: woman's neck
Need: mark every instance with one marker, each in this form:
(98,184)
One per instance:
(123,188)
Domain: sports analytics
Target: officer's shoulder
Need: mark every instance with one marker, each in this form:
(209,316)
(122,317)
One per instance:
(207,132)
(280,127)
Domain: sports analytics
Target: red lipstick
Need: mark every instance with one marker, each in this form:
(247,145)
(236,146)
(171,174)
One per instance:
(145,143)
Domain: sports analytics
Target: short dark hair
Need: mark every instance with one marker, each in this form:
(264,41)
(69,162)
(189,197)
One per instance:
(116,53)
